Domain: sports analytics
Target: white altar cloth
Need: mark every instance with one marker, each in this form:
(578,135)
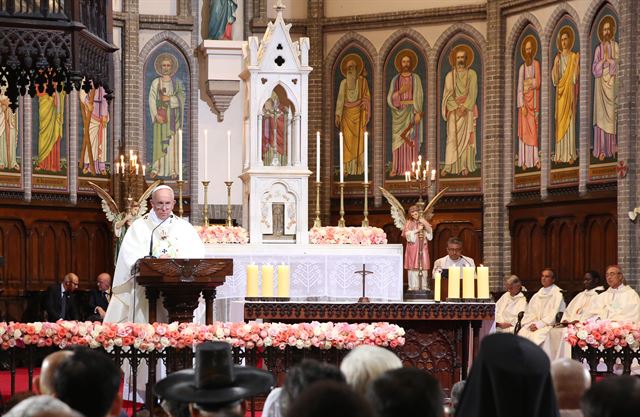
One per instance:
(318,272)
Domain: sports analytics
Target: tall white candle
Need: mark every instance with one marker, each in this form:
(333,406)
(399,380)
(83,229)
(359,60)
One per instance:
(228,155)
(318,156)
(366,156)
(180,154)
(205,155)
(433,175)
(341,158)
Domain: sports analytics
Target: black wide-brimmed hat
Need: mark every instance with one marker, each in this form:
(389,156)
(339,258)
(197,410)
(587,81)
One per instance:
(216,381)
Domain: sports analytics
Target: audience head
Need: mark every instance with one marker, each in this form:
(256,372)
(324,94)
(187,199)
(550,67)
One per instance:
(88,382)
(513,285)
(454,248)
(613,396)
(365,363)
(406,392)
(41,406)
(547,277)
(592,279)
(509,377)
(162,201)
(329,398)
(304,374)
(614,276)
(104,282)
(43,384)
(70,282)
(570,381)
(456,393)
(175,408)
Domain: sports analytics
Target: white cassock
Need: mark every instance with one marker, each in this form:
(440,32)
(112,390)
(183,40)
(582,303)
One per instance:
(446,262)
(175,238)
(581,308)
(619,304)
(507,309)
(541,311)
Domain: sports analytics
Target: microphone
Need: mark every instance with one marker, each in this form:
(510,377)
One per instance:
(150,255)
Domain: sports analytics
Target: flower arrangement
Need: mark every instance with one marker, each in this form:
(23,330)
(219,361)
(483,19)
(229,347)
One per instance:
(223,234)
(604,334)
(332,235)
(158,336)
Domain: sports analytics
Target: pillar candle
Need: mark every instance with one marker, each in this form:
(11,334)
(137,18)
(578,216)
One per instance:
(180,154)
(366,156)
(228,155)
(468,275)
(267,280)
(433,175)
(205,155)
(341,158)
(483,282)
(283,280)
(252,280)
(454,282)
(144,170)
(117,167)
(318,156)
(437,283)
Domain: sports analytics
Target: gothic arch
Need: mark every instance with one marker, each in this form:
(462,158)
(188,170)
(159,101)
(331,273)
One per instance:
(401,34)
(593,9)
(455,30)
(554,19)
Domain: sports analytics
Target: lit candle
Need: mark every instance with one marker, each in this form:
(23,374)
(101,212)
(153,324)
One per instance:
(267,280)
(366,156)
(121,159)
(205,155)
(123,167)
(180,154)
(117,167)
(283,280)
(483,282)
(318,156)
(144,170)
(406,176)
(252,280)
(130,154)
(468,273)
(454,282)
(418,173)
(424,174)
(427,168)
(413,165)
(437,283)
(137,169)
(433,175)
(341,158)
(228,155)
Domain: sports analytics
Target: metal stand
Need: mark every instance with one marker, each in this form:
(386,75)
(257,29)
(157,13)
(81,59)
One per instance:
(180,209)
(317,222)
(229,222)
(365,221)
(205,209)
(341,221)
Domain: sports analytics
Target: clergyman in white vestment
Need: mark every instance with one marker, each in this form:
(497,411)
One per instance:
(509,305)
(620,302)
(541,312)
(174,238)
(454,257)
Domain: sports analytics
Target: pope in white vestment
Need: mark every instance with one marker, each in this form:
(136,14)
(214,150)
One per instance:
(510,305)
(620,302)
(174,238)
(541,312)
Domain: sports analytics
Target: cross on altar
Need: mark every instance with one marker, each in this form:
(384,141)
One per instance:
(279,6)
(364,273)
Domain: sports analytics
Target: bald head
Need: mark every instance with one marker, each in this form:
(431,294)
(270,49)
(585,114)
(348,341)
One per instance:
(570,381)
(44,383)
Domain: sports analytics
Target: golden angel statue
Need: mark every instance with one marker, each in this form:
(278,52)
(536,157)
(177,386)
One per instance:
(418,232)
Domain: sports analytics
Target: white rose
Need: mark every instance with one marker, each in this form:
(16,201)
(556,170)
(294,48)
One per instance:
(582,334)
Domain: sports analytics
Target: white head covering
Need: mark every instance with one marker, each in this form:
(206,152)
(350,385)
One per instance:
(161,187)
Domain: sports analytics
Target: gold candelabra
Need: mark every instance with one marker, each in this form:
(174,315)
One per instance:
(317,222)
(205,209)
(365,221)
(180,208)
(130,173)
(229,222)
(341,221)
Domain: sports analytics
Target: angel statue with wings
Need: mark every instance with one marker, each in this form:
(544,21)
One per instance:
(121,220)
(418,232)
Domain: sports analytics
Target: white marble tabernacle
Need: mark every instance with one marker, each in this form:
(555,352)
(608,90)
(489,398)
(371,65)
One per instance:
(318,272)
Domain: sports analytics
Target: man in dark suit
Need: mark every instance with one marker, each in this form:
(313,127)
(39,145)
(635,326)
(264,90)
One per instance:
(100,297)
(60,302)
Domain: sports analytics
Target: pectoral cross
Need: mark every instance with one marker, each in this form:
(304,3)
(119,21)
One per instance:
(364,273)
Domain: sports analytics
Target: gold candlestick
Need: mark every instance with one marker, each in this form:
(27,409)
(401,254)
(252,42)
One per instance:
(317,222)
(205,209)
(180,210)
(341,221)
(365,221)
(229,222)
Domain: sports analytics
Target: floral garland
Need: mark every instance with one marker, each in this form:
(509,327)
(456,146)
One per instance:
(223,234)
(604,334)
(332,235)
(158,336)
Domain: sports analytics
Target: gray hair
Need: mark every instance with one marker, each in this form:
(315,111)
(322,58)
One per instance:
(513,279)
(41,405)
(365,363)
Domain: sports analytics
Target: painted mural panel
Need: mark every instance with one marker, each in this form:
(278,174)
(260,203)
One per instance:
(166,105)
(50,121)
(352,112)
(526,129)
(460,116)
(405,73)
(94,141)
(605,50)
(10,145)
(565,108)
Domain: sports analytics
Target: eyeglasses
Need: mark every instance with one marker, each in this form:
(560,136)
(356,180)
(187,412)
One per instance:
(613,274)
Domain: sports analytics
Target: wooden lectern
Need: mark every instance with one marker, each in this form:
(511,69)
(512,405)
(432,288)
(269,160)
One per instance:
(180,282)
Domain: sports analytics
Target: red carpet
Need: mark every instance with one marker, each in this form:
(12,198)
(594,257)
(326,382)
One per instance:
(22,381)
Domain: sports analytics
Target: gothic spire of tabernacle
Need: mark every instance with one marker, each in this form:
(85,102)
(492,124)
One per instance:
(279,7)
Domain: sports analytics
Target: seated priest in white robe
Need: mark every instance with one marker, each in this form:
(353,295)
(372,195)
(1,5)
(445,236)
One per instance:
(454,257)
(620,302)
(542,309)
(579,310)
(510,305)
(173,237)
